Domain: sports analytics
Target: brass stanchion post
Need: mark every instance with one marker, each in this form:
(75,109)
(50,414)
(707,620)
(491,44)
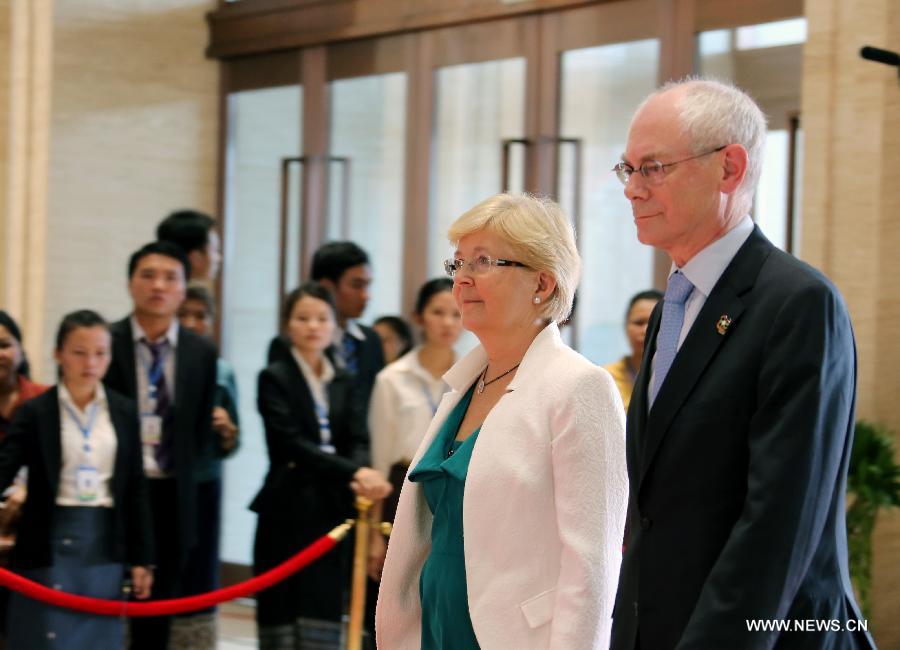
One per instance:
(360,562)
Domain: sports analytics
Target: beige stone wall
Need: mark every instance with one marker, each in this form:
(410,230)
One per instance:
(851,230)
(26,45)
(134,136)
(5,34)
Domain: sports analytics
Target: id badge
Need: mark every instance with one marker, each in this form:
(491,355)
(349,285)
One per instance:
(87,481)
(151,429)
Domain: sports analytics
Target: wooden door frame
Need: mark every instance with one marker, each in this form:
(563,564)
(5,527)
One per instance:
(249,38)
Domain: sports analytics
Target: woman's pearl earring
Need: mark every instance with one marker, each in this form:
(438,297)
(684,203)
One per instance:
(537,300)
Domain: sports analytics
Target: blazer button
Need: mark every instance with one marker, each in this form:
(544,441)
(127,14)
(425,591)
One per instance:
(646,523)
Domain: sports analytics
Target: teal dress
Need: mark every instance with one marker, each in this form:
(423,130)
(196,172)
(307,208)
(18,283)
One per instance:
(442,472)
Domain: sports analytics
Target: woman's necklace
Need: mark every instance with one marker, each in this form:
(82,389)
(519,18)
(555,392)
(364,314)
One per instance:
(482,384)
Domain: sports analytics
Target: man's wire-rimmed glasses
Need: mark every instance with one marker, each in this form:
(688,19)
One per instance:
(654,171)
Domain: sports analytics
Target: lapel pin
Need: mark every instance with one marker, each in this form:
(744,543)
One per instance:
(723,324)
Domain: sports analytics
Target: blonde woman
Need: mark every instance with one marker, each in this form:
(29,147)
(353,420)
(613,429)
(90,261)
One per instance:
(509,527)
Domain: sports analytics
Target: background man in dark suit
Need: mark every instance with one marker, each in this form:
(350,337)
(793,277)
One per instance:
(343,268)
(740,427)
(171,373)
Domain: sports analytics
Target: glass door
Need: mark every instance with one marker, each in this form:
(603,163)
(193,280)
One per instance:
(605,69)
(264,131)
(367,127)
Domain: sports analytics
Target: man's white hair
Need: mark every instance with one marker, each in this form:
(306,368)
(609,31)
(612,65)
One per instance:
(715,113)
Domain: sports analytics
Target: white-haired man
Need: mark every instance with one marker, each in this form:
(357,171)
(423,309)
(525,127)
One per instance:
(741,422)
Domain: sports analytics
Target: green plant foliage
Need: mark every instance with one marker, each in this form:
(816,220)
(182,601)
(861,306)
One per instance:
(873,482)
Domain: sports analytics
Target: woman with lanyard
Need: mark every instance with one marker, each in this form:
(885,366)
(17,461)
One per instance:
(319,454)
(87,513)
(408,391)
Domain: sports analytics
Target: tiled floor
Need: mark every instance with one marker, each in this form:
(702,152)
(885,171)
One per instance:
(237,627)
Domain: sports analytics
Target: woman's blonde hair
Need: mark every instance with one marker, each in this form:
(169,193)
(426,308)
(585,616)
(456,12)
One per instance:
(541,235)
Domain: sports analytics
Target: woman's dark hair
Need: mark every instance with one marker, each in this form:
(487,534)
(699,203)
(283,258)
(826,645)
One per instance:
(7,321)
(650,294)
(401,329)
(200,294)
(311,289)
(431,289)
(80,318)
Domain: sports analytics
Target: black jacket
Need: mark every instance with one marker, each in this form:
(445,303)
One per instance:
(299,472)
(34,440)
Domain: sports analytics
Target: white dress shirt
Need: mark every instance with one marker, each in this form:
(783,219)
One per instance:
(101,440)
(403,403)
(143,359)
(317,384)
(704,270)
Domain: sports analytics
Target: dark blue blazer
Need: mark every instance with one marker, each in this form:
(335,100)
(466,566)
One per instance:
(738,472)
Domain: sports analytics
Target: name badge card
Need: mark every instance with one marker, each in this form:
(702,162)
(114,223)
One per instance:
(87,482)
(151,429)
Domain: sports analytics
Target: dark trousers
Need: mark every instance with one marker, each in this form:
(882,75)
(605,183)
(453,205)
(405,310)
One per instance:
(201,573)
(153,633)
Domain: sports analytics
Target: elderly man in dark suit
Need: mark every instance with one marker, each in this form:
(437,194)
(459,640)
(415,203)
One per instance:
(171,373)
(741,423)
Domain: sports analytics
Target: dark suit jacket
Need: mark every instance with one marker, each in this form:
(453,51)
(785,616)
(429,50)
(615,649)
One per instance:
(195,387)
(370,359)
(302,477)
(738,473)
(34,440)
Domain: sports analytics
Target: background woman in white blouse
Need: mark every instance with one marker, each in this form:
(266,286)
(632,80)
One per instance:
(407,392)
(405,398)
(509,528)
(87,512)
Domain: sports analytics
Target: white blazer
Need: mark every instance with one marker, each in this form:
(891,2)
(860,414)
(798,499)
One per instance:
(543,509)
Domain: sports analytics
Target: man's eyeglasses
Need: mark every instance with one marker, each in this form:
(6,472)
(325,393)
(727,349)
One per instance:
(479,266)
(654,171)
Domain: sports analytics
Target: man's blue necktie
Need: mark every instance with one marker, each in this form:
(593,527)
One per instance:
(349,349)
(677,292)
(165,450)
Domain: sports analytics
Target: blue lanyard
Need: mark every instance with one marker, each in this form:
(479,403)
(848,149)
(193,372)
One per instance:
(324,427)
(85,429)
(427,390)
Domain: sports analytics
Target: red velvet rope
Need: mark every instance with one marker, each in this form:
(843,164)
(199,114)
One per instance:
(172,605)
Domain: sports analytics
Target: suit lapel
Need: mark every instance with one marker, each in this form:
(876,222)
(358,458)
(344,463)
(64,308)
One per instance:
(701,343)
(50,431)
(636,421)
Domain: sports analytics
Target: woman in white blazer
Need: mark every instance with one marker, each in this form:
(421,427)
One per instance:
(509,528)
